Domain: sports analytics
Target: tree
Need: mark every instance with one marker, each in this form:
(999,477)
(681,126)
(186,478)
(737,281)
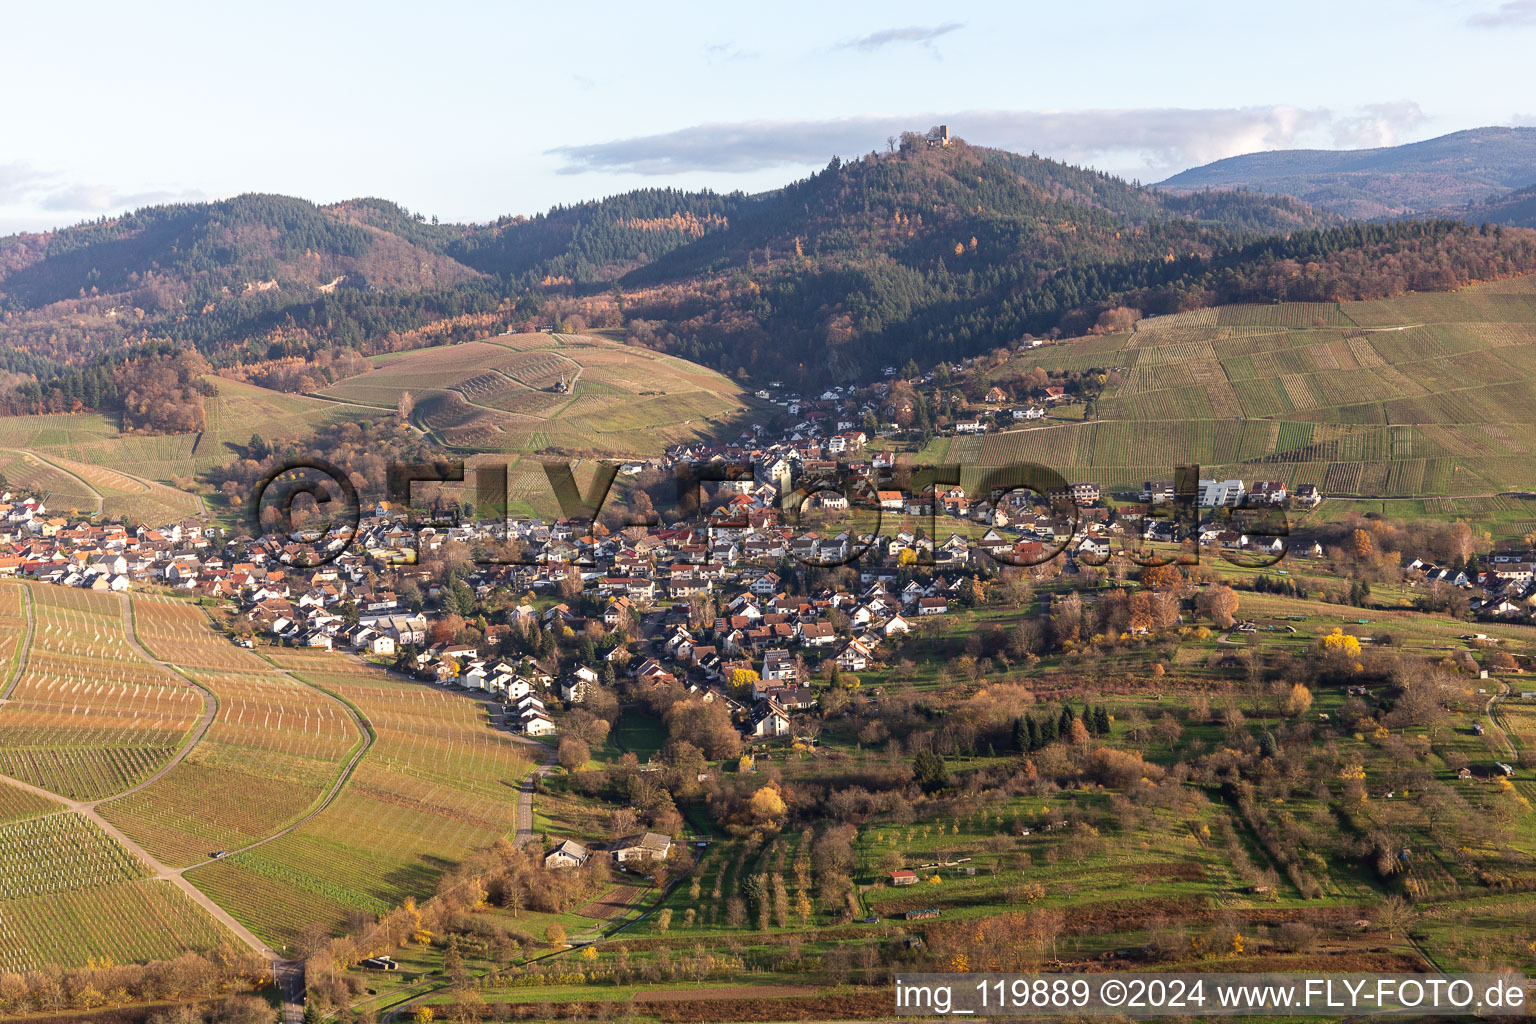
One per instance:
(1221,603)
(404,407)
(1161,577)
(663,922)
(573,753)
(767,804)
(742,680)
(463,597)
(1395,915)
(1363,547)
(1299,701)
(554,934)
(1340,642)
(930,771)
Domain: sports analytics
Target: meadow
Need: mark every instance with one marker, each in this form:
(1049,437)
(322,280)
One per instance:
(500,394)
(1418,398)
(85,461)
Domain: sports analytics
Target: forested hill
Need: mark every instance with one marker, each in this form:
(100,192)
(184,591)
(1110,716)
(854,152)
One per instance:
(941,253)
(1516,209)
(929,252)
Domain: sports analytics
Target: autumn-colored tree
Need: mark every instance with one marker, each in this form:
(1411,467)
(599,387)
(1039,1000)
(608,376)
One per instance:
(1220,603)
(1341,642)
(573,753)
(1299,700)
(1140,608)
(1161,577)
(405,406)
(742,680)
(1363,546)
(767,804)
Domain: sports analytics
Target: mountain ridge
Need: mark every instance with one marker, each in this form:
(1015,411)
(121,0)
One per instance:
(935,250)
(1432,175)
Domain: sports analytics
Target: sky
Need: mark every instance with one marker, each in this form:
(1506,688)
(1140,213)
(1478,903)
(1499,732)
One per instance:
(468,111)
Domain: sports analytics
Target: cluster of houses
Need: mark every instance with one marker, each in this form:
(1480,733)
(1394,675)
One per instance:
(1234,493)
(629,853)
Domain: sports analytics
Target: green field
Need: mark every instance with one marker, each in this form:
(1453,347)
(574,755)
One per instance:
(83,461)
(1425,398)
(500,394)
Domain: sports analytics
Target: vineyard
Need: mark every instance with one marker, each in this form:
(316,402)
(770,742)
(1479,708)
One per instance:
(436,784)
(276,743)
(88,717)
(125,922)
(16,804)
(60,853)
(497,394)
(1418,396)
(13,628)
(145,476)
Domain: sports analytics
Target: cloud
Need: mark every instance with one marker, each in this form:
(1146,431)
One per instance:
(1512,12)
(105,199)
(728,53)
(922,35)
(18,181)
(22,185)
(1379,124)
(1146,139)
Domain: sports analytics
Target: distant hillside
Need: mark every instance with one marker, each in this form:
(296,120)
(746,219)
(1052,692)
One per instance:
(1449,171)
(928,252)
(201,250)
(1415,405)
(253,277)
(1517,209)
(932,253)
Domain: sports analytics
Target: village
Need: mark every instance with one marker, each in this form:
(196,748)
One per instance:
(699,605)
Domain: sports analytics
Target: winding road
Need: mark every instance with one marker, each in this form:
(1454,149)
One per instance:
(289,974)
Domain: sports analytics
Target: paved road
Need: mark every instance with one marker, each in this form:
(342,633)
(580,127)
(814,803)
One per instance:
(525,795)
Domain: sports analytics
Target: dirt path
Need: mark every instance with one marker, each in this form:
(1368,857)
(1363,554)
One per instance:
(288,973)
(24,648)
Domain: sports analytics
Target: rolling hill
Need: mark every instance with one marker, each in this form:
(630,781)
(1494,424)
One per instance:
(555,394)
(1435,175)
(1409,406)
(926,252)
(85,461)
(1517,209)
